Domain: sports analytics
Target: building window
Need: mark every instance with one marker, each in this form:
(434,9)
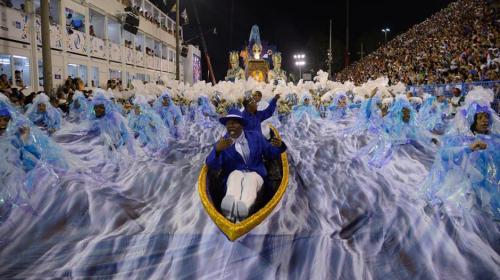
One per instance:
(164,52)
(141,77)
(171,56)
(74,21)
(16,4)
(53,10)
(139,42)
(78,71)
(5,66)
(22,76)
(95,77)
(128,39)
(115,74)
(129,77)
(114,31)
(96,27)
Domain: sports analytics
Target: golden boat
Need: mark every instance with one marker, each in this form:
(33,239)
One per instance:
(209,186)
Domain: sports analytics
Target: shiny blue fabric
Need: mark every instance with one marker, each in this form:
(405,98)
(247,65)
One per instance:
(432,115)
(111,127)
(336,112)
(50,119)
(299,111)
(462,177)
(340,218)
(80,109)
(203,113)
(395,133)
(171,115)
(148,128)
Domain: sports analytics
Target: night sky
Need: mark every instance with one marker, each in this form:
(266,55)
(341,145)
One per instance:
(304,27)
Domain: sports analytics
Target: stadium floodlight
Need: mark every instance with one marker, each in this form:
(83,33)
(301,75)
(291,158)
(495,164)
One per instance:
(385,30)
(299,62)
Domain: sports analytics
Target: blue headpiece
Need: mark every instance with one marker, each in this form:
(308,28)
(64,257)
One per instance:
(4,112)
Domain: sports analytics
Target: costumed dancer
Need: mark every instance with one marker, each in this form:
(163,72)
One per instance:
(80,109)
(148,127)
(14,165)
(457,100)
(170,114)
(204,112)
(42,114)
(305,109)
(29,156)
(433,114)
(465,172)
(371,115)
(239,155)
(109,124)
(339,108)
(400,128)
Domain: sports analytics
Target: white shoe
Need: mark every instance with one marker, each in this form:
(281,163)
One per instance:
(241,210)
(228,207)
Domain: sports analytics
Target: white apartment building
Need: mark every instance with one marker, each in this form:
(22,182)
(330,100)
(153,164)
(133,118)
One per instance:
(88,40)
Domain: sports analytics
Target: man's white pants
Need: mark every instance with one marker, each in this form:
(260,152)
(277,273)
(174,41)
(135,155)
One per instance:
(244,186)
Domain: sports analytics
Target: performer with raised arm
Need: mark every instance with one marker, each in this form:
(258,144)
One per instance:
(239,155)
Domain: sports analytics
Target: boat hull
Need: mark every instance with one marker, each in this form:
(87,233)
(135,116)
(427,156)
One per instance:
(234,230)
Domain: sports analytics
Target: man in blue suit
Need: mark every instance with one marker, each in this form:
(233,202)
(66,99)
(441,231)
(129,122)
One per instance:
(255,117)
(240,155)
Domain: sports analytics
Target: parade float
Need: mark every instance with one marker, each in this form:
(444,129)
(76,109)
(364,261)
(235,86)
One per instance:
(257,57)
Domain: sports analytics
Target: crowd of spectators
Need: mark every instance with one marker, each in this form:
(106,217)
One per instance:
(15,89)
(128,44)
(457,44)
(137,10)
(150,51)
(61,98)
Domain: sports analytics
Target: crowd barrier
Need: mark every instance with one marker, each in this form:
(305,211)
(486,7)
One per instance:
(465,87)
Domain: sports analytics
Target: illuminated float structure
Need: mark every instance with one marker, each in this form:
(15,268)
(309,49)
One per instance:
(256,57)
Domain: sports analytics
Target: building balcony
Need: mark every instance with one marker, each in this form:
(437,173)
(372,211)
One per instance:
(76,42)
(139,58)
(128,55)
(98,48)
(114,52)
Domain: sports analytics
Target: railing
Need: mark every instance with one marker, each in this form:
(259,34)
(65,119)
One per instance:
(465,88)
(446,88)
(14,25)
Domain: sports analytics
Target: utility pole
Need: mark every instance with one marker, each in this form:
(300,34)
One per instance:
(361,52)
(177,45)
(330,54)
(30,8)
(347,34)
(46,55)
(203,44)
(231,20)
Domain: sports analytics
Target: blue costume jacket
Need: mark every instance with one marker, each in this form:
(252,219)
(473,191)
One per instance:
(254,120)
(230,160)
